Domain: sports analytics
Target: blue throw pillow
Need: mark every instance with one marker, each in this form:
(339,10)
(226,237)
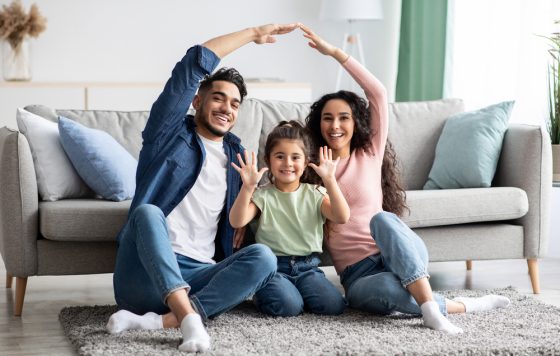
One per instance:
(469,147)
(106,167)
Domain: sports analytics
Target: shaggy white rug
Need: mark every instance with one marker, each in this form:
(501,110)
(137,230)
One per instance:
(526,327)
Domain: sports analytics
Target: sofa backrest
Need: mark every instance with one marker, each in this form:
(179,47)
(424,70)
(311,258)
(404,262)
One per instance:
(125,126)
(414,128)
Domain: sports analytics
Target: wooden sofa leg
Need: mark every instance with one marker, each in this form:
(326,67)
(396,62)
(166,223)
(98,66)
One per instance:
(9,279)
(469,265)
(532,263)
(21,284)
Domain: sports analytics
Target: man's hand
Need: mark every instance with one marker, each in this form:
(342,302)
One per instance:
(225,44)
(265,33)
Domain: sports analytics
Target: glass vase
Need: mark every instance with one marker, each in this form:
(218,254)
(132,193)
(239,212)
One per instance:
(16,61)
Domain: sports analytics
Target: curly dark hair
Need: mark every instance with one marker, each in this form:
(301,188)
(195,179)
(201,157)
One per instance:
(360,113)
(226,74)
(394,195)
(291,130)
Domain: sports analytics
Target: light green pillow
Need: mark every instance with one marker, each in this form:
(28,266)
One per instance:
(469,147)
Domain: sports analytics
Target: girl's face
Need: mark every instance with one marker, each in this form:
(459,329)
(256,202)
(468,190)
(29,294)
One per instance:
(287,162)
(337,127)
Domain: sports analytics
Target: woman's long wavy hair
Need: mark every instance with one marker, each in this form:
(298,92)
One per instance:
(394,196)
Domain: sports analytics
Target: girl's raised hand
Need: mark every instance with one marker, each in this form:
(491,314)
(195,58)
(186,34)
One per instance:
(317,42)
(250,176)
(327,167)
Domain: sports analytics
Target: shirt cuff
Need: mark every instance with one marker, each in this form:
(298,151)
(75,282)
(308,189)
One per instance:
(207,59)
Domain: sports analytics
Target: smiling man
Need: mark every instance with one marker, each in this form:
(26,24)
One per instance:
(175,263)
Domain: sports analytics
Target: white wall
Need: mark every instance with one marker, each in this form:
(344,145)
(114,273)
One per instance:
(140,40)
(496,54)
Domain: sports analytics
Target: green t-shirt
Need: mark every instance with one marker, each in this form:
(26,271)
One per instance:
(291,223)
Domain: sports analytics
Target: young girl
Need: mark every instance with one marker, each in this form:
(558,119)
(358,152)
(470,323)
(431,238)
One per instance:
(292,214)
(381,262)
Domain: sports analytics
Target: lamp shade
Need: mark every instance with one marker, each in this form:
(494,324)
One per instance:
(344,10)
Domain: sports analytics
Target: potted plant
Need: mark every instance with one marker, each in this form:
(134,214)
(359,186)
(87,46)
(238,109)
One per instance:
(553,122)
(16,26)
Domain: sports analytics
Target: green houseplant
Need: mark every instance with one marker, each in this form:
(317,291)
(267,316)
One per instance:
(553,122)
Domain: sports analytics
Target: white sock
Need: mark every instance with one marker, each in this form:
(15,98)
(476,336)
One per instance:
(482,304)
(434,319)
(125,320)
(195,337)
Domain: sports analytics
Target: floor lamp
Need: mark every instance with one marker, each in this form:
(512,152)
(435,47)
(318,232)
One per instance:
(350,11)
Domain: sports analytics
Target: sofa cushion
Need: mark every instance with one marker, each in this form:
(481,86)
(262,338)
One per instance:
(463,206)
(468,149)
(82,219)
(414,129)
(99,159)
(56,176)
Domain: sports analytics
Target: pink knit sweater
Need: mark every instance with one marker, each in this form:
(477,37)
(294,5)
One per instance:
(359,178)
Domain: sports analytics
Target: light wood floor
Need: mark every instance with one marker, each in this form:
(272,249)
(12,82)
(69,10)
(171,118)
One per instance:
(38,331)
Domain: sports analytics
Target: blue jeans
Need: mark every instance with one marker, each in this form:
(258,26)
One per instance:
(297,285)
(377,284)
(147,270)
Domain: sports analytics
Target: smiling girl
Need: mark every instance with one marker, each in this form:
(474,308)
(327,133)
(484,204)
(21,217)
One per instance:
(291,217)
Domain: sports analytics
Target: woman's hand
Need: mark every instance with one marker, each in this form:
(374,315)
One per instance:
(265,33)
(323,46)
(250,176)
(317,42)
(327,167)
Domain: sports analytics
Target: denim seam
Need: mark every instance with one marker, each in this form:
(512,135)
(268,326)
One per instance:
(241,253)
(176,288)
(442,305)
(152,264)
(406,282)
(197,306)
(158,278)
(386,302)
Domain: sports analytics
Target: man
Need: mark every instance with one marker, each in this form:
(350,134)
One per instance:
(175,253)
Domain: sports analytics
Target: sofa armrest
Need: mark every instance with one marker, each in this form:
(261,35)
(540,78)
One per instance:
(526,163)
(19,205)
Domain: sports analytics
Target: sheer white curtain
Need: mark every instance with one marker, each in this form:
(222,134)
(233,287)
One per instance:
(494,54)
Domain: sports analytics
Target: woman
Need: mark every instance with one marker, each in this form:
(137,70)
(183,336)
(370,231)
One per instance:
(388,272)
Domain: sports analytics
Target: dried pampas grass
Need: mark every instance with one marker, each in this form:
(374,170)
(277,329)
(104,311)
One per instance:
(15,24)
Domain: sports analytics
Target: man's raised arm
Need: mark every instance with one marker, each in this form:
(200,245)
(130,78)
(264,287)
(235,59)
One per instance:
(225,44)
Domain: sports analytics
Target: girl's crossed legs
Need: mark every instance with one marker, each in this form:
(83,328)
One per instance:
(299,285)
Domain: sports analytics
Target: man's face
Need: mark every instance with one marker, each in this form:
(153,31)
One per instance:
(216,109)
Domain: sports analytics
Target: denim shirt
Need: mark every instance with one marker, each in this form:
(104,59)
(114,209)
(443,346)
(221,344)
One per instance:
(172,153)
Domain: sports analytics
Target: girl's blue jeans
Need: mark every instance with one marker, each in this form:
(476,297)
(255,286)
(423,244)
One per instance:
(377,284)
(299,285)
(147,270)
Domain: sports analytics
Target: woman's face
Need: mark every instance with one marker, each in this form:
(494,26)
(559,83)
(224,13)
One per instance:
(337,126)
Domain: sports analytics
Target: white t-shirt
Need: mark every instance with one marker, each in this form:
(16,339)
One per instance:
(193,224)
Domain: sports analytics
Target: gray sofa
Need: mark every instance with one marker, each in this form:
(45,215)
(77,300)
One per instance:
(77,236)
